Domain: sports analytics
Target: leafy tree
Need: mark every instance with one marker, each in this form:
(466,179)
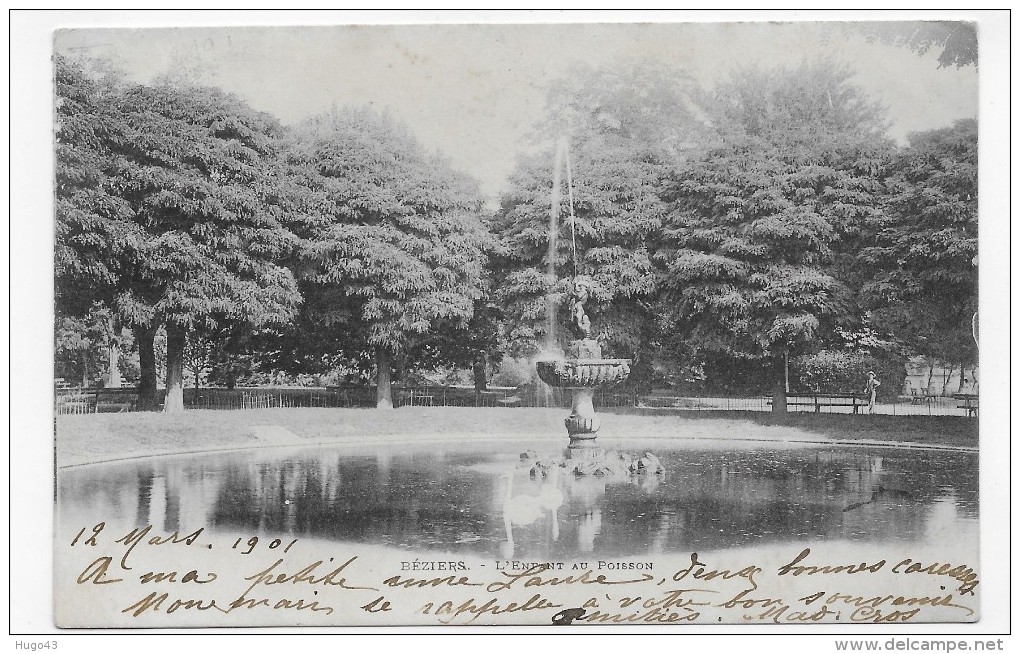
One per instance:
(918,262)
(624,128)
(323,339)
(747,251)
(88,212)
(839,371)
(196,166)
(93,223)
(393,236)
(78,349)
(230,352)
(475,345)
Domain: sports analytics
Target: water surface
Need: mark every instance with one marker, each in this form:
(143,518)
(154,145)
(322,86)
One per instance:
(474,498)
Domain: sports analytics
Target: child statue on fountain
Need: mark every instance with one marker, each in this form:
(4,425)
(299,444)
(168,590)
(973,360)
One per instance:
(584,347)
(580,292)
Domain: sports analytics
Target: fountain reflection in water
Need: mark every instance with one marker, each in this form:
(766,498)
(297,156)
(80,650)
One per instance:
(414,499)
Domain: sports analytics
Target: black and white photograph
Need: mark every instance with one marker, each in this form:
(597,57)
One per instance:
(665,324)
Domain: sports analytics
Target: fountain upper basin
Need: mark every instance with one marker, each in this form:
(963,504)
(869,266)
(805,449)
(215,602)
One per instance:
(582,373)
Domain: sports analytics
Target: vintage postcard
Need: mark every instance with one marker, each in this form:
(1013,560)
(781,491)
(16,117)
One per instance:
(595,324)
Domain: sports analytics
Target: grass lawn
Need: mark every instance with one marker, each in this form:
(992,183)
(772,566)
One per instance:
(103,437)
(954,431)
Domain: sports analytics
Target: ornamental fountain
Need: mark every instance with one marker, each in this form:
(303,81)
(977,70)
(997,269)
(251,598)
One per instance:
(582,372)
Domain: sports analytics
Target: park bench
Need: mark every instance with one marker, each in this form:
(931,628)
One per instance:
(512,400)
(667,402)
(969,403)
(819,400)
(115,400)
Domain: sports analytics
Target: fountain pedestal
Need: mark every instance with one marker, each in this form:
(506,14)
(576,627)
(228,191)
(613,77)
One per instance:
(583,423)
(582,374)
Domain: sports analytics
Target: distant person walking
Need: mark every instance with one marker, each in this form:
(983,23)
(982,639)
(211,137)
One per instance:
(872,389)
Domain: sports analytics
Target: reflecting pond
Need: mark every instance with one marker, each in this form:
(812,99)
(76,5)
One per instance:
(474,498)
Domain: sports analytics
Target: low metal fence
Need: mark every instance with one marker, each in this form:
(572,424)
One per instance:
(262,398)
(69,401)
(932,406)
(704,403)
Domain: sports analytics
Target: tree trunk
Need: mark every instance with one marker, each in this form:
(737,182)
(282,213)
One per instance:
(231,377)
(946,376)
(479,373)
(145,337)
(144,503)
(383,392)
(779,388)
(175,340)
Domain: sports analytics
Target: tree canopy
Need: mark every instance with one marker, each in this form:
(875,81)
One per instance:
(957,39)
(747,248)
(919,259)
(94,223)
(393,236)
(198,173)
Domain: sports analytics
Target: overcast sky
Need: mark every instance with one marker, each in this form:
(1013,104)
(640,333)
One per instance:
(472,91)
